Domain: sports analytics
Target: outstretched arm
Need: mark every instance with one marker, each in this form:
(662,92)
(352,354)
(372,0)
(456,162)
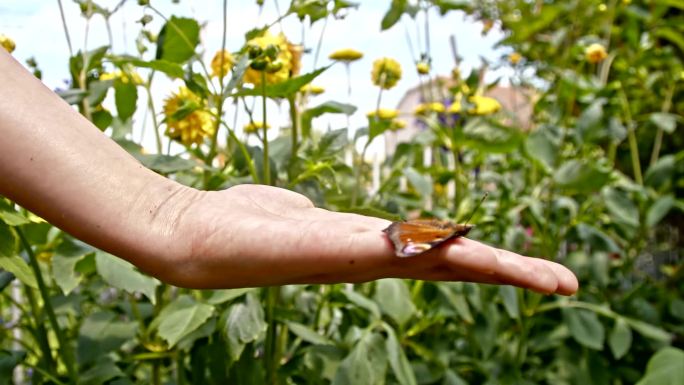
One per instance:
(58,165)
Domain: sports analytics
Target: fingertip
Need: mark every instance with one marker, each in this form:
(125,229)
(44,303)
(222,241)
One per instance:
(567,281)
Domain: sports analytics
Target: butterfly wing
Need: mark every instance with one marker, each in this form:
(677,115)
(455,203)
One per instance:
(418,236)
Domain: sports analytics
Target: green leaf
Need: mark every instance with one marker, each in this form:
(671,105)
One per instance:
(489,136)
(509,297)
(166,164)
(393,14)
(64,272)
(9,242)
(102,119)
(329,107)
(17,266)
(184,316)
(331,143)
(590,123)
(584,327)
(283,89)
(677,308)
(365,365)
(661,173)
(421,182)
(397,358)
(394,299)
(104,370)
(581,176)
(666,367)
(308,335)
(671,34)
(362,302)
(93,60)
(620,338)
(457,300)
(659,209)
(173,70)
(524,28)
(125,98)
(9,359)
(596,238)
(65,260)
(244,324)
(177,39)
(452,378)
(101,333)
(623,210)
(123,275)
(541,147)
(218,297)
(649,331)
(11,216)
(665,121)
(72,96)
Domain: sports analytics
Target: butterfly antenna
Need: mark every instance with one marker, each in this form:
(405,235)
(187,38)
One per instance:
(476,207)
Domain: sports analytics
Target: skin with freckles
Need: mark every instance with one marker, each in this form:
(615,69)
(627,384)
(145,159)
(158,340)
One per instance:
(58,165)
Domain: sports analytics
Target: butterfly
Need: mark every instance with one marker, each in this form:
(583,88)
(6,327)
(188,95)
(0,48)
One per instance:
(417,236)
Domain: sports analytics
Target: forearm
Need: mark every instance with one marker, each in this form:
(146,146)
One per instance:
(60,166)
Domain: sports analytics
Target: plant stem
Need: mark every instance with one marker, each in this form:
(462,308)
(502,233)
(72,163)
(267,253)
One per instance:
(264,138)
(658,141)
(633,146)
(150,106)
(40,331)
(272,358)
(456,151)
(67,357)
(294,117)
(220,96)
(66,30)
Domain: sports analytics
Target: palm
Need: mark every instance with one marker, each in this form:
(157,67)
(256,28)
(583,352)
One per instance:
(274,236)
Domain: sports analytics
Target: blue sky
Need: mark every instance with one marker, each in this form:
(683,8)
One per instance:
(37,30)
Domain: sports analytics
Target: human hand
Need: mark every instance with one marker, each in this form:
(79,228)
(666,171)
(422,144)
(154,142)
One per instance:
(254,235)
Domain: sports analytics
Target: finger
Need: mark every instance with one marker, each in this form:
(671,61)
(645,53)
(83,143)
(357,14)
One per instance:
(567,281)
(508,267)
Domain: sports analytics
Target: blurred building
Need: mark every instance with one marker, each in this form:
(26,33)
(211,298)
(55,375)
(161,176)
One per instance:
(516,108)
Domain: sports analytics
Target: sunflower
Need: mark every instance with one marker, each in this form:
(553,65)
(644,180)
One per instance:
(187,118)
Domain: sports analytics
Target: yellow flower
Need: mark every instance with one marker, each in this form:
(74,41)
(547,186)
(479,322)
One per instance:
(455,107)
(397,124)
(595,53)
(427,108)
(456,73)
(312,89)
(7,43)
(514,58)
(423,68)
(253,127)
(129,76)
(187,119)
(602,7)
(222,62)
(383,113)
(346,55)
(386,73)
(484,105)
(284,59)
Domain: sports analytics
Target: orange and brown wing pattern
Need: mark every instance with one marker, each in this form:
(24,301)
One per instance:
(420,235)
